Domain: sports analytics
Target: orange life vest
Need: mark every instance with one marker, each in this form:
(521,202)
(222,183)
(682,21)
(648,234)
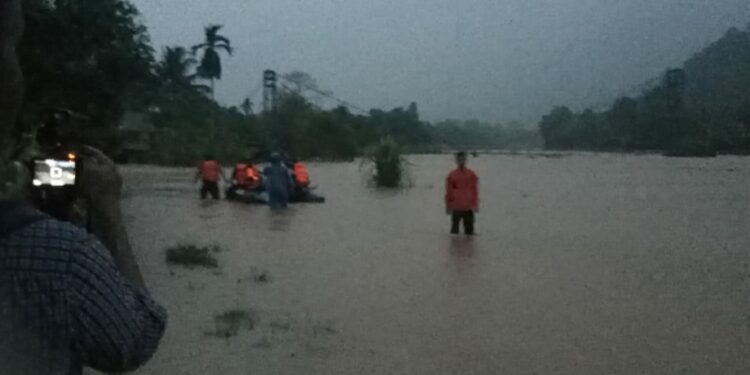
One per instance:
(210,171)
(253,176)
(246,175)
(301,176)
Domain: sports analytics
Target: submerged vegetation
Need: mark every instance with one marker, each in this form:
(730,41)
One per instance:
(387,164)
(229,323)
(192,256)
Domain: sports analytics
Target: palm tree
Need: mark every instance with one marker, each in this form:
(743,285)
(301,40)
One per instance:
(210,65)
(176,70)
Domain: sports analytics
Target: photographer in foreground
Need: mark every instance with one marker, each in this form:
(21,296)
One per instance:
(68,298)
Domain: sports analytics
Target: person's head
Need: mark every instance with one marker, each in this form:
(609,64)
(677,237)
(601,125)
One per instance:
(275,158)
(208,157)
(461,159)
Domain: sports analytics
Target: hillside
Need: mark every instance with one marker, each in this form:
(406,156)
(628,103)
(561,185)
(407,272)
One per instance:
(708,111)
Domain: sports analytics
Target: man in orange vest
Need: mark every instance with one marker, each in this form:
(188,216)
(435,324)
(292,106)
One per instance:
(252,176)
(210,172)
(462,196)
(245,176)
(301,175)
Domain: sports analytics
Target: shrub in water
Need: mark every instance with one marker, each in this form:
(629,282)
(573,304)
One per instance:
(387,164)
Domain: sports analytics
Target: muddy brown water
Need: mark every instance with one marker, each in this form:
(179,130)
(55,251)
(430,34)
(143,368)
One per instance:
(585,264)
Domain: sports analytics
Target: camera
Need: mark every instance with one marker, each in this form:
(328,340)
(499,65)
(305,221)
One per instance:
(55,173)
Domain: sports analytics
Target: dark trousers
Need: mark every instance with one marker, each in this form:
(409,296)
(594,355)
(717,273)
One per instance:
(210,187)
(467,217)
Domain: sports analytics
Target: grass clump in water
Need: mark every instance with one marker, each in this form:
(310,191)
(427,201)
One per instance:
(387,164)
(192,256)
(229,323)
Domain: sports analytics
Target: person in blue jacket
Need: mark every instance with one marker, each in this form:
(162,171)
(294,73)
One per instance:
(279,183)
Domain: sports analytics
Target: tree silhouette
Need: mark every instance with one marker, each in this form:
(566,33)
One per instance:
(210,63)
(176,70)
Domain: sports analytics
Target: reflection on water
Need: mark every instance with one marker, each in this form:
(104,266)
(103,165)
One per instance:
(462,247)
(586,265)
(281,220)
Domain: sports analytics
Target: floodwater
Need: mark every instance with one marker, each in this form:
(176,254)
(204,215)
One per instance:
(585,264)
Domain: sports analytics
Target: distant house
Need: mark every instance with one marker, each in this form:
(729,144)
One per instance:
(136,131)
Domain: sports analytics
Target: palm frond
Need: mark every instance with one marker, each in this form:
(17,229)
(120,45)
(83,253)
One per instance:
(225,47)
(212,31)
(222,39)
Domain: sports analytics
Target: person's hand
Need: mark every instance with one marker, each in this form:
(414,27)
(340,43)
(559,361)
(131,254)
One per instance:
(100,184)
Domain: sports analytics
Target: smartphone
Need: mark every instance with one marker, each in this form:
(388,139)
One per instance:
(54,172)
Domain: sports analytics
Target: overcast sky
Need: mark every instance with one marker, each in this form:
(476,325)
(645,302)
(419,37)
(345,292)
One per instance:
(493,60)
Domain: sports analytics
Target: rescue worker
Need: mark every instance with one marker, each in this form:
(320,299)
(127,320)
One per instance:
(253,177)
(462,196)
(245,176)
(301,175)
(301,178)
(279,183)
(209,172)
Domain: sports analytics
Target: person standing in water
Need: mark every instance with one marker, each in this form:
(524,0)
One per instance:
(279,183)
(210,172)
(462,196)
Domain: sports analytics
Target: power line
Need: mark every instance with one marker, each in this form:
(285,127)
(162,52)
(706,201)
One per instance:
(340,101)
(256,91)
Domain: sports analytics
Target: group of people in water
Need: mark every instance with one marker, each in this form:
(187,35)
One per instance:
(280,182)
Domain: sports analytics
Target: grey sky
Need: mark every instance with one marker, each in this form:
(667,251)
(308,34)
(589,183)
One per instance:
(494,60)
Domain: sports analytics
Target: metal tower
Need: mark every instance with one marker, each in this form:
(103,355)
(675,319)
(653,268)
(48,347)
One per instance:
(269,90)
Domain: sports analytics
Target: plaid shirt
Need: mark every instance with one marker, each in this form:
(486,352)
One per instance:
(64,305)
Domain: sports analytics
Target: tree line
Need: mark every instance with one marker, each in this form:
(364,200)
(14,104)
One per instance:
(705,111)
(95,59)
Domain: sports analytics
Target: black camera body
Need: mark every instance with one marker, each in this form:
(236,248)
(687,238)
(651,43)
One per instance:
(53,183)
(55,174)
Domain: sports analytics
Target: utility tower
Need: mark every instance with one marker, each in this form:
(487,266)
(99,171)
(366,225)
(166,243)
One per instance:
(269,90)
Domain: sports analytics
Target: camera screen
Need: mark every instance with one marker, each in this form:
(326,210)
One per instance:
(51,172)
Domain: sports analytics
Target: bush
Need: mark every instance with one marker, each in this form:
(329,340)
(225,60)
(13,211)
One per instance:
(388,166)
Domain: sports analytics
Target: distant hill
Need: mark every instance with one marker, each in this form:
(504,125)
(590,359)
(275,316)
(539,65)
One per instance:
(718,78)
(707,110)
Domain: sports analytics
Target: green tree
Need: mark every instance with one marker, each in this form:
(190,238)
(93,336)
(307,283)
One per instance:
(210,64)
(176,69)
(86,56)
(623,117)
(556,128)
